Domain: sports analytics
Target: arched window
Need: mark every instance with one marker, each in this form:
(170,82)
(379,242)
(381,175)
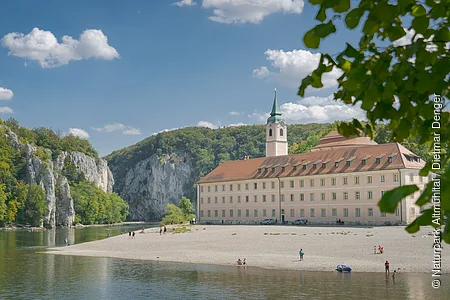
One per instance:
(281,132)
(270,132)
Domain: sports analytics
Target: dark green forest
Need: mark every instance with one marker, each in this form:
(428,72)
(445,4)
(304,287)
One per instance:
(23,203)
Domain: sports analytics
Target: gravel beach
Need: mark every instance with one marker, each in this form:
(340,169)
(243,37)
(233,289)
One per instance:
(275,247)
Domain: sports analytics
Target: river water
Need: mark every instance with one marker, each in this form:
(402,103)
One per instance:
(27,273)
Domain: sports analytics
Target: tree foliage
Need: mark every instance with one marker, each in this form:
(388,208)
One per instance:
(404,85)
(178,214)
(186,207)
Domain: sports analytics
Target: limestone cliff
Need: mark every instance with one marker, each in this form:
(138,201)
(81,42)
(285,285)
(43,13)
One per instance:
(48,174)
(152,183)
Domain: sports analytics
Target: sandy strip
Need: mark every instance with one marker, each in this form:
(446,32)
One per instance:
(275,247)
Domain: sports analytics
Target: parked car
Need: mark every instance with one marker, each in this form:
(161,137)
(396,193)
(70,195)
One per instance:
(300,222)
(268,222)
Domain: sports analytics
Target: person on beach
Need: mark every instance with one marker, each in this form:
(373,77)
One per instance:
(394,274)
(244,261)
(375,250)
(129,234)
(66,241)
(381,250)
(142,230)
(133,234)
(301,254)
(386,266)
(239,262)
(160,230)
(165,229)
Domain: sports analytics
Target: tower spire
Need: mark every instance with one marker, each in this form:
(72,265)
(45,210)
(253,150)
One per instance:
(275,114)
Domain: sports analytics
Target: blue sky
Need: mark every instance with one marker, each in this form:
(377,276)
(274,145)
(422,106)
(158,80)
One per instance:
(163,66)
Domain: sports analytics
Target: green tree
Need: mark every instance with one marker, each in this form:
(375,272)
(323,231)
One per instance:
(186,207)
(35,208)
(405,85)
(3,206)
(174,215)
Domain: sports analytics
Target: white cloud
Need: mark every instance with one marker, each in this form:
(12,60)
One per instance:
(44,47)
(236,113)
(314,110)
(249,11)
(407,40)
(6,94)
(184,3)
(292,66)
(207,124)
(237,124)
(79,133)
(6,110)
(110,127)
(132,131)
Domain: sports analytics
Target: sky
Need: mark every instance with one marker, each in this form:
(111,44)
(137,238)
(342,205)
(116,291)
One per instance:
(115,72)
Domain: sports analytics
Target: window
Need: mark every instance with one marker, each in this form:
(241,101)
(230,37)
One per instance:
(312,212)
(216,188)
(282,184)
(383,214)
(292,183)
(209,213)
(201,200)
(255,213)
(231,187)
(322,182)
(295,168)
(382,193)
(304,167)
(223,199)
(357,212)
(239,213)
(302,183)
(247,213)
(209,189)
(231,212)
(264,213)
(246,199)
(282,198)
(201,214)
(292,213)
(348,163)
(356,179)
(314,166)
(411,178)
(246,186)
(273,198)
(273,169)
(357,195)
(389,159)
(397,212)
(378,160)
(272,185)
(231,199)
(345,180)
(369,195)
(264,198)
(333,196)
(255,198)
(345,212)
(336,164)
(264,185)
(382,179)
(239,186)
(322,196)
(333,181)
(281,131)
(255,185)
(302,212)
(395,177)
(324,165)
(334,212)
(209,200)
(292,197)
(311,183)
(215,200)
(345,195)
(323,212)
(311,196)
(364,162)
(302,197)
(283,169)
(201,189)
(270,132)
(370,212)
(369,179)
(239,199)
(223,187)
(273,212)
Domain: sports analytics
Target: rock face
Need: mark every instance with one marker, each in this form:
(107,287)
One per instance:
(48,175)
(154,182)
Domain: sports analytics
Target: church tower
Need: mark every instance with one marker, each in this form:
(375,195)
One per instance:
(276,133)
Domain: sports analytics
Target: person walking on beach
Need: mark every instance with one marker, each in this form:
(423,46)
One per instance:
(386,266)
(394,274)
(129,234)
(301,254)
(160,230)
(165,229)
(134,234)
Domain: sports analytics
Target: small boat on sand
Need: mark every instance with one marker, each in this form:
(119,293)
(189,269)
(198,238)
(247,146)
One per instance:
(343,268)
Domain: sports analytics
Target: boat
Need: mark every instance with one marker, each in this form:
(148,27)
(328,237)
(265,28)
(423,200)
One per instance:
(343,268)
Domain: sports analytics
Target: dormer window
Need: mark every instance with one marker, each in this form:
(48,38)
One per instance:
(295,168)
(265,170)
(336,164)
(273,169)
(389,159)
(304,167)
(364,162)
(378,160)
(324,165)
(259,170)
(314,166)
(348,163)
(283,169)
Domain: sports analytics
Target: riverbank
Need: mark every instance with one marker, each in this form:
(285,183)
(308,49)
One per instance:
(275,247)
(26,227)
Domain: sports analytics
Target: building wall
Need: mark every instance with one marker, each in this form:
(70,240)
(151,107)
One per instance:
(356,199)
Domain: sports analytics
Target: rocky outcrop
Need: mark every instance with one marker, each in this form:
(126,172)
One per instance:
(154,182)
(48,175)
